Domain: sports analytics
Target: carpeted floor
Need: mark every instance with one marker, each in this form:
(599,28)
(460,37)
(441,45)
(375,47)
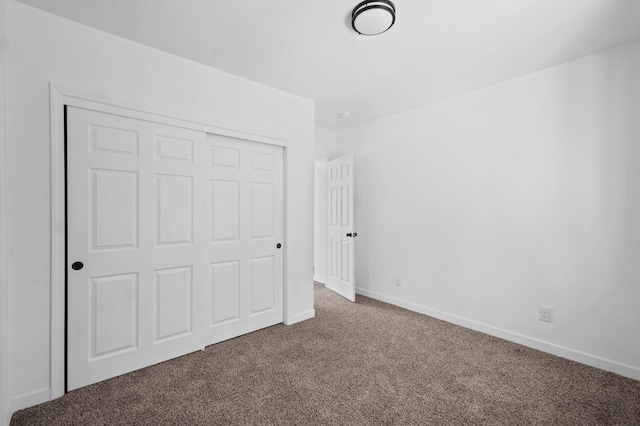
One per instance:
(365,363)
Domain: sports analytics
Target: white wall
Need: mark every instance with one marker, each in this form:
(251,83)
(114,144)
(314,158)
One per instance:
(43,48)
(325,144)
(527,193)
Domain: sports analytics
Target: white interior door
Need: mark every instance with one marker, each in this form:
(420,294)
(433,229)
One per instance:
(340,245)
(244,253)
(171,241)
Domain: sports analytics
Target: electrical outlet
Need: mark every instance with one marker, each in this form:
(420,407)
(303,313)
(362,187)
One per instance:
(398,283)
(546,314)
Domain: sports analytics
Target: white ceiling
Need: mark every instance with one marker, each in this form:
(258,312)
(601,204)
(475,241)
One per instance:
(437,48)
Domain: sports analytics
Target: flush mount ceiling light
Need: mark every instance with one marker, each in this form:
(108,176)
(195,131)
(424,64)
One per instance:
(373,17)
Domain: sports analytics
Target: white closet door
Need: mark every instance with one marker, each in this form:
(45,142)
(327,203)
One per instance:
(171,241)
(244,253)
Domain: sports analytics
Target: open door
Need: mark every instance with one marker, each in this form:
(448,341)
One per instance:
(341,268)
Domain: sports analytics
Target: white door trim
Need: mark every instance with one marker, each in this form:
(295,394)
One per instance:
(4,332)
(322,278)
(61,96)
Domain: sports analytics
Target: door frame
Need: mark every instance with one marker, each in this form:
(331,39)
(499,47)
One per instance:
(320,160)
(4,283)
(61,96)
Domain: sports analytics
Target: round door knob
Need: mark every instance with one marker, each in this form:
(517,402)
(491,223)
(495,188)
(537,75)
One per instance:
(278,245)
(76,266)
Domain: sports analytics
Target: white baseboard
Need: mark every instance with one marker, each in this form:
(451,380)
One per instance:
(303,316)
(320,278)
(28,400)
(561,351)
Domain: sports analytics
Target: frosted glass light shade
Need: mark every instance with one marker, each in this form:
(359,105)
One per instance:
(373,17)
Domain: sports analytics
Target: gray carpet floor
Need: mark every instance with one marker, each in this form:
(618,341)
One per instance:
(366,363)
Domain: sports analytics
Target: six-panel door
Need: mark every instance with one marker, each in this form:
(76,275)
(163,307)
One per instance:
(176,231)
(340,247)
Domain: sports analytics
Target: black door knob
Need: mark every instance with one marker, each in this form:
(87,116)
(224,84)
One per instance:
(355,234)
(349,234)
(76,266)
(278,245)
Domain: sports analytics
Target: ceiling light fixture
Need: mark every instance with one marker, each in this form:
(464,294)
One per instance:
(373,17)
(344,115)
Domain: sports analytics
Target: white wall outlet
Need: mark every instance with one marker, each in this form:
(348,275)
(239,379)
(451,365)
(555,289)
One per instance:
(398,283)
(546,314)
